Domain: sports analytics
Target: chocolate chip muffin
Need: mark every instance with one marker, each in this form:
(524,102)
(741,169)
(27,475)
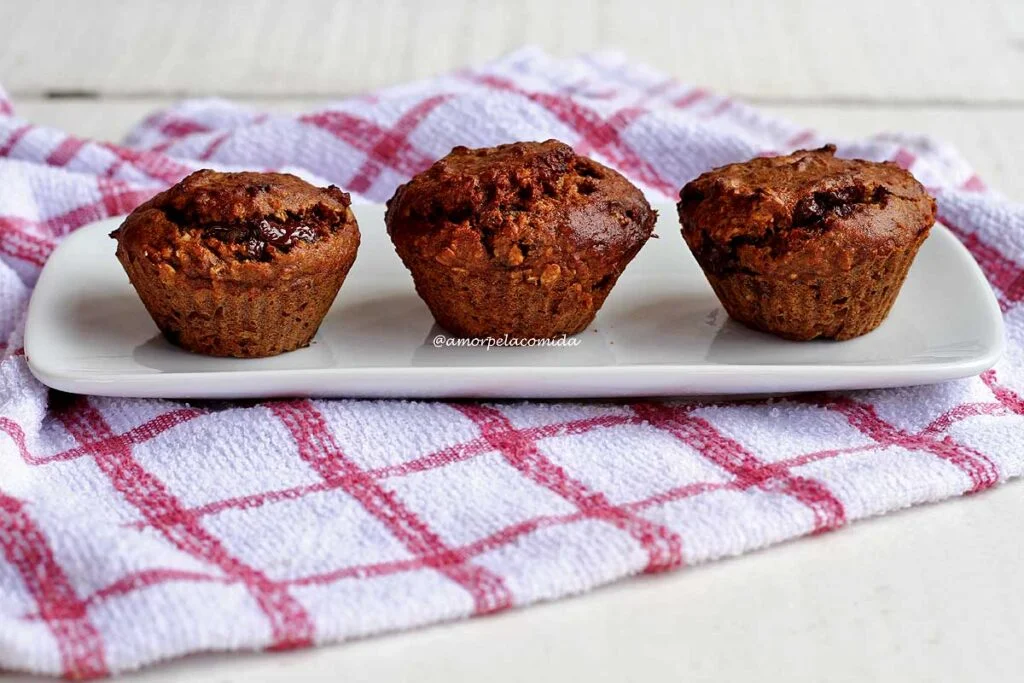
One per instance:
(807,245)
(524,239)
(239,264)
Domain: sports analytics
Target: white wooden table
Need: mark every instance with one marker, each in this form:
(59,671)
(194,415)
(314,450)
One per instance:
(922,595)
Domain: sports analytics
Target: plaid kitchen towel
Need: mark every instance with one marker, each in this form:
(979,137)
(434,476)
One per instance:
(132,531)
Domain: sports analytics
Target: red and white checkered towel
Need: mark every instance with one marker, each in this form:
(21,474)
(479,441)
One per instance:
(132,531)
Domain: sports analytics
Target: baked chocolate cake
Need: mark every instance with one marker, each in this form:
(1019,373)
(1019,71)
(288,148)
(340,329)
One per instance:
(524,239)
(806,245)
(239,264)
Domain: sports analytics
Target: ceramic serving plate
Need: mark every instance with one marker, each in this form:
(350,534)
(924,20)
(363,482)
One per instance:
(661,332)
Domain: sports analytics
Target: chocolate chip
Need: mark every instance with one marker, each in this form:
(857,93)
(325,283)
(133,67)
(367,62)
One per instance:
(840,202)
(256,236)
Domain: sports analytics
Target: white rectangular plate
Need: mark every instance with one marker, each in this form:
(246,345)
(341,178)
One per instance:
(661,332)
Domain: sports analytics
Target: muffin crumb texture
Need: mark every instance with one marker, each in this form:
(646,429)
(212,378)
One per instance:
(806,245)
(525,239)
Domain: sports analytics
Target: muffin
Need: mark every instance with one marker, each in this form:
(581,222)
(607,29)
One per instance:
(239,264)
(524,239)
(807,245)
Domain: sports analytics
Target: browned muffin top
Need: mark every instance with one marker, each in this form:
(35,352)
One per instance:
(515,197)
(244,216)
(803,211)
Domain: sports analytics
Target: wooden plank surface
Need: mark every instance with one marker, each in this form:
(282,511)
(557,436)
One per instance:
(817,50)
